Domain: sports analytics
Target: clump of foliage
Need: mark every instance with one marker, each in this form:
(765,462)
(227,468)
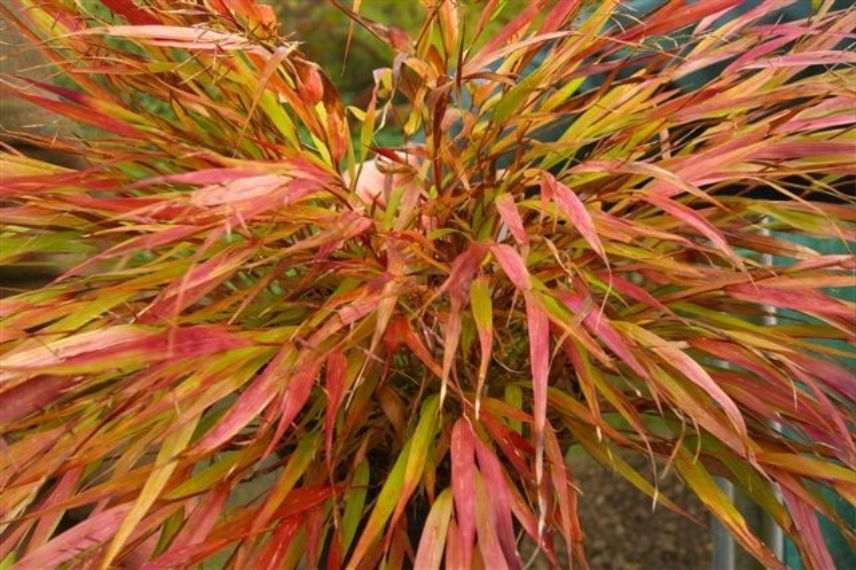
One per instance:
(264,359)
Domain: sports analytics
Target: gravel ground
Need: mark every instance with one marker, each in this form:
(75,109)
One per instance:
(623,533)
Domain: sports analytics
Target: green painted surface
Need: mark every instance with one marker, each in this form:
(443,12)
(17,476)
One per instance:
(842,554)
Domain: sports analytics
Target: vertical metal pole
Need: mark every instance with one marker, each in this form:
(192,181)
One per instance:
(772,533)
(726,554)
(724,548)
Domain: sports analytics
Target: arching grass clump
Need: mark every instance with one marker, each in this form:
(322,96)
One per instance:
(276,352)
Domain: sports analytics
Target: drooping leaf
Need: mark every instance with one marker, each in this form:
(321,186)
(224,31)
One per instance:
(429,555)
(575,210)
(463,486)
(480,302)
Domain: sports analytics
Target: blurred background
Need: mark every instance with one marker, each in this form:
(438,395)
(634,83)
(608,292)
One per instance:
(323,30)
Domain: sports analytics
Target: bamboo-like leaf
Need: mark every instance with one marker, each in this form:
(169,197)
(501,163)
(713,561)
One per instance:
(704,486)
(480,302)
(249,404)
(418,454)
(337,367)
(570,524)
(488,543)
(463,487)
(354,504)
(695,372)
(695,220)
(72,542)
(295,397)
(165,465)
(539,354)
(400,483)
(511,218)
(99,349)
(513,265)
(297,464)
(575,210)
(808,526)
(131,12)
(429,556)
(47,524)
(500,501)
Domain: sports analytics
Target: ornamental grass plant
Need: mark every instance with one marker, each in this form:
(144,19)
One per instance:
(285,345)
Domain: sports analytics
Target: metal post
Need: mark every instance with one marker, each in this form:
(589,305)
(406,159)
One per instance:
(726,554)
(771,532)
(724,548)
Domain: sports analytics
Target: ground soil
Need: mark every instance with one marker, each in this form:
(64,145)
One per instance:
(622,532)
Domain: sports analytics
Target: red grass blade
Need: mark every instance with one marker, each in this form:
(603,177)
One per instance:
(463,486)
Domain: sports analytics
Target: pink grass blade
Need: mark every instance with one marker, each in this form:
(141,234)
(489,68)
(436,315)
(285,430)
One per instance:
(513,265)
(500,501)
(75,540)
(576,212)
(511,218)
(463,486)
(429,555)
(249,404)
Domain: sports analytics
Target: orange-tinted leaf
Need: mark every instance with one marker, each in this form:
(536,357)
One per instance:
(131,12)
(112,345)
(810,301)
(337,367)
(418,454)
(295,397)
(463,271)
(570,524)
(164,466)
(711,495)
